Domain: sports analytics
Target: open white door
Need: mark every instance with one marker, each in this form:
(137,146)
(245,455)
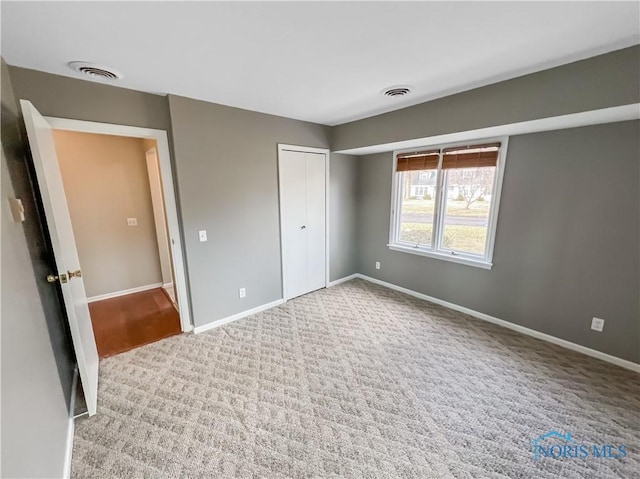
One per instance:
(64,248)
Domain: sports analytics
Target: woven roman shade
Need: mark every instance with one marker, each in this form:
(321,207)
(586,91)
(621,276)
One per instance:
(470,156)
(419,160)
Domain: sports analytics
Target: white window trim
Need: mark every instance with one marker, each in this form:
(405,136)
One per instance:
(486,261)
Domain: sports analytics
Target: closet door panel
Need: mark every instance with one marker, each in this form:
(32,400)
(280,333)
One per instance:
(294,217)
(316,234)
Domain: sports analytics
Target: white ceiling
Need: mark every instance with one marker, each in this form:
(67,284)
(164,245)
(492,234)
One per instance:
(324,62)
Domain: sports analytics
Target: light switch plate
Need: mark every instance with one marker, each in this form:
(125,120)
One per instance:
(132,221)
(202,234)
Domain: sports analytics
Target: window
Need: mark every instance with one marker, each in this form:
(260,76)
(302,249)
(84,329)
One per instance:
(445,201)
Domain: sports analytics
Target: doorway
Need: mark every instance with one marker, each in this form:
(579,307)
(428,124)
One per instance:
(113,189)
(303,183)
(67,276)
(117,194)
(163,204)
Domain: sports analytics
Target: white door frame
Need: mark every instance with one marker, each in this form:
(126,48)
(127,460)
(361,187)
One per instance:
(164,157)
(159,215)
(304,149)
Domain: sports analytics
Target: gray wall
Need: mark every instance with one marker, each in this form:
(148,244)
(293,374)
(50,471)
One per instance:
(566,244)
(64,97)
(226,164)
(37,361)
(599,82)
(343,216)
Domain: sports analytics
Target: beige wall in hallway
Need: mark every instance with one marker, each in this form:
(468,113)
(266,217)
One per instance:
(106,181)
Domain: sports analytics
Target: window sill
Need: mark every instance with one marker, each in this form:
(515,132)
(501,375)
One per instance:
(443,256)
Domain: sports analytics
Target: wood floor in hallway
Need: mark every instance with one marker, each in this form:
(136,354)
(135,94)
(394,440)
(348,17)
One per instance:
(127,322)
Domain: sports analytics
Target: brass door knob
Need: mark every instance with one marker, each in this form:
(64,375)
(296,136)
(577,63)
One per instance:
(52,278)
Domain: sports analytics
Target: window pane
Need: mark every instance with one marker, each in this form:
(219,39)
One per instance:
(466,209)
(417,203)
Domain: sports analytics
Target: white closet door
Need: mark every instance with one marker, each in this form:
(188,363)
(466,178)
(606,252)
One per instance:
(316,236)
(294,218)
(303,200)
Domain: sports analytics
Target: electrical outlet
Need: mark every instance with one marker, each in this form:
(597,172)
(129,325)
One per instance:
(597,324)
(132,221)
(242,292)
(202,234)
(377,264)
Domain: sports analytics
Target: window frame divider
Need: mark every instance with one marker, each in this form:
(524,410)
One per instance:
(437,209)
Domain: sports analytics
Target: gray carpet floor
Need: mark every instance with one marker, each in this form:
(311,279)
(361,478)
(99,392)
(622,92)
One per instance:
(355,381)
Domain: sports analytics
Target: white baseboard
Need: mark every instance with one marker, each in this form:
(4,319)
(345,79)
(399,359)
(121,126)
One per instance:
(343,280)
(66,472)
(167,285)
(623,363)
(235,317)
(124,292)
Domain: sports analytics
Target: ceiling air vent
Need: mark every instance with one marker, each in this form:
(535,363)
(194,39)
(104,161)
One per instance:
(396,91)
(96,71)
